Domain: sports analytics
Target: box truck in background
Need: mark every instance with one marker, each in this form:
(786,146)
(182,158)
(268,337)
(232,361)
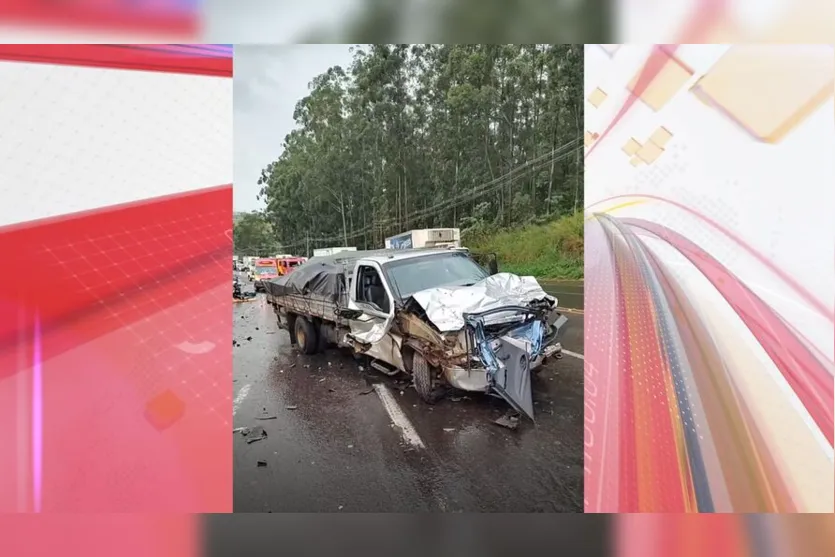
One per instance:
(331,251)
(426,238)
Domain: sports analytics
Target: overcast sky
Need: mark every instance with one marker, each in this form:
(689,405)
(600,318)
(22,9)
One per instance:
(273,21)
(268,82)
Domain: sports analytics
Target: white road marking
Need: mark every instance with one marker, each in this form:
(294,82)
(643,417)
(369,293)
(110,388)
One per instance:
(398,418)
(573,354)
(240,398)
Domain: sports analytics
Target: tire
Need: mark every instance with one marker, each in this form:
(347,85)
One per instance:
(424,378)
(321,342)
(306,336)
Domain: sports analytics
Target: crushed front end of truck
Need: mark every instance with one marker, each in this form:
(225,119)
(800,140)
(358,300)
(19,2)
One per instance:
(509,351)
(487,337)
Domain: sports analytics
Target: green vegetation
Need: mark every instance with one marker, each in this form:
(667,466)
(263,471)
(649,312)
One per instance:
(253,235)
(472,136)
(552,250)
(470,21)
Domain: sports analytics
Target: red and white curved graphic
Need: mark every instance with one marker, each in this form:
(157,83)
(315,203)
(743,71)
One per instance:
(710,285)
(115,201)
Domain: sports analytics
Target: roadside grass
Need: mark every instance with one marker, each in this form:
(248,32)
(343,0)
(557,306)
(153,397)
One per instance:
(553,250)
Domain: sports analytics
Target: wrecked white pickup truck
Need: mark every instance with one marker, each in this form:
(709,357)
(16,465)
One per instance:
(432,313)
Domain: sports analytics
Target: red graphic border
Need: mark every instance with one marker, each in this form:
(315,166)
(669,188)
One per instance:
(99,17)
(156,58)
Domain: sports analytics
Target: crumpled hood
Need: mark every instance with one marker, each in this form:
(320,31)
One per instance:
(445,306)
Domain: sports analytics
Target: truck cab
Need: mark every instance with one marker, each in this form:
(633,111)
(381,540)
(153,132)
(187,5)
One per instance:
(264,270)
(380,284)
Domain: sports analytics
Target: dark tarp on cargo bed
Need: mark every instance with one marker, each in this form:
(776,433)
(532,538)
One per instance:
(323,279)
(324,276)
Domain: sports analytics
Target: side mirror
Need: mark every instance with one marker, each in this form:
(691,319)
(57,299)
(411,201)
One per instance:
(492,263)
(493,266)
(487,261)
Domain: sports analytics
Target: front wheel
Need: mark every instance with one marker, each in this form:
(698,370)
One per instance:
(423,375)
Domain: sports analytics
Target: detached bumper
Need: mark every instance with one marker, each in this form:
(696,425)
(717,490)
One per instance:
(476,378)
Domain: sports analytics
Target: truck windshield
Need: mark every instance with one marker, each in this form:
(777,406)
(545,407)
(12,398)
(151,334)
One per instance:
(413,275)
(265,270)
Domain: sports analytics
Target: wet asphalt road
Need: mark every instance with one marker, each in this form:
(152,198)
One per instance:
(569,293)
(332,444)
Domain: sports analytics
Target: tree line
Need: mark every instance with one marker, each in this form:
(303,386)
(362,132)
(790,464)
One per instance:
(479,137)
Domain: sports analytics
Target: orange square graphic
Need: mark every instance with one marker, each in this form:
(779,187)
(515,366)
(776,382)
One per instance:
(665,85)
(632,146)
(164,410)
(768,90)
(649,152)
(597,97)
(661,136)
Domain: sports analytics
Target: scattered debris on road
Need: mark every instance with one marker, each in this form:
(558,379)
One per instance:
(509,420)
(266,417)
(257,433)
(449,429)
(262,463)
(292,407)
(369,391)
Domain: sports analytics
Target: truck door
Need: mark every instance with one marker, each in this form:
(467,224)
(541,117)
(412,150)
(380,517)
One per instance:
(370,294)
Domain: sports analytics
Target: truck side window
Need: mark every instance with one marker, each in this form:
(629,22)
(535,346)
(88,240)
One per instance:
(370,289)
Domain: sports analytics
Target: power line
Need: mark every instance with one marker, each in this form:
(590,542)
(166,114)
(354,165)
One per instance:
(470,195)
(445,205)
